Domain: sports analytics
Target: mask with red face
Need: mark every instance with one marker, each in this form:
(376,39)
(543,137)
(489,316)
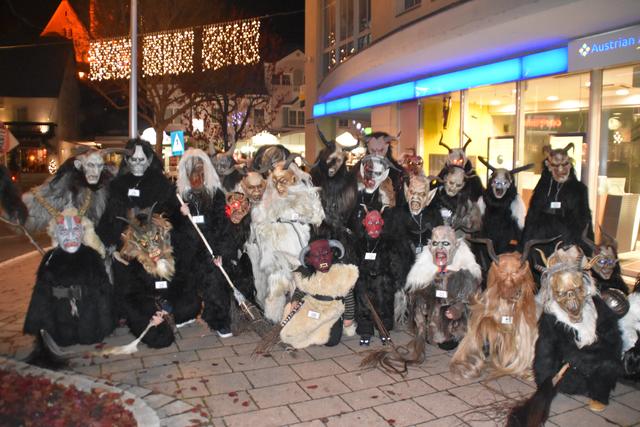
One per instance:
(237,207)
(373,223)
(319,254)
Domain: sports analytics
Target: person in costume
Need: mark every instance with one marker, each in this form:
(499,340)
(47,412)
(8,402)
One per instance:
(379,144)
(578,328)
(199,186)
(605,265)
(453,201)
(322,305)
(72,299)
(457,157)
(280,227)
(440,286)
(384,260)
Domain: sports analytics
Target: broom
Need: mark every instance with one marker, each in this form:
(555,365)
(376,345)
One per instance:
(249,309)
(26,233)
(271,338)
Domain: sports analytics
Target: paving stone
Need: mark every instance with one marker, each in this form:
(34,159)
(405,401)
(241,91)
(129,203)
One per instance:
(438,364)
(170,388)
(215,353)
(158,374)
(365,417)
(173,408)
(277,395)
(139,391)
(320,352)
(403,413)
(226,383)
(248,363)
(143,350)
(476,395)
(320,408)
(244,338)
(127,377)
(157,400)
(184,420)
(198,342)
(272,417)
(406,389)
(563,403)
(192,388)
(197,329)
(365,379)
(450,421)
(244,349)
(481,417)
(314,423)
(442,404)
(366,398)
(285,358)
(350,362)
(624,387)
(121,365)
(510,387)
(92,371)
(580,417)
(621,414)
(166,359)
(271,376)
(322,387)
(320,368)
(203,368)
(630,399)
(459,380)
(229,404)
(438,382)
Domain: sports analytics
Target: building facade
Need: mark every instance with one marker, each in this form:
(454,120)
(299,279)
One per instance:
(512,75)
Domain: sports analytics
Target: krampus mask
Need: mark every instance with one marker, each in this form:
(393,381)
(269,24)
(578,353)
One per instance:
(138,161)
(319,254)
(454,181)
(378,144)
(283,178)
(502,179)
(69,232)
(443,246)
(237,207)
(417,193)
(91,164)
(373,170)
(559,162)
(148,240)
(373,222)
(413,165)
(253,185)
(196,174)
(223,162)
(605,256)
(457,156)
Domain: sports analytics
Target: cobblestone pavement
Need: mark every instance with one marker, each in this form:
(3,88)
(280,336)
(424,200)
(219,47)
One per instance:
(202,379)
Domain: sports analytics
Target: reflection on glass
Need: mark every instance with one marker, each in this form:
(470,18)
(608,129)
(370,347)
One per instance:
(433,120)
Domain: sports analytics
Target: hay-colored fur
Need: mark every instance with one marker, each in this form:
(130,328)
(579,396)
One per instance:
(89,237)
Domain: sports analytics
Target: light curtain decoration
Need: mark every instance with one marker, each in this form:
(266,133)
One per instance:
(172,52)
(167,53)
(233,43)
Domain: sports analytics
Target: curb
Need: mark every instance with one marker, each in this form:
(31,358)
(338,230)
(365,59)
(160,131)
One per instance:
(21,257)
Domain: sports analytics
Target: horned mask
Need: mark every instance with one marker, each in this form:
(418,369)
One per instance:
(319,254)
(502,179)
(373,170)
(91,164)
(559,162)
(443,246)
(417,193)
(454,181)
(457,156)
(605,256)
(373,222)
(282,178)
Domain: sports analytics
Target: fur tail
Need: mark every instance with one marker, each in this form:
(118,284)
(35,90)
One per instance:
(44,357)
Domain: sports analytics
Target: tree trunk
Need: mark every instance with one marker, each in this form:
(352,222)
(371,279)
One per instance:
(159,138)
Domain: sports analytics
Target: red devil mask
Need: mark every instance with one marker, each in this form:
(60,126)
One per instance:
(373,224)
(319,254)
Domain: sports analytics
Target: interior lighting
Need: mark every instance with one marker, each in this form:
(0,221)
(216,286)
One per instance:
(385,95)
(494,102)
(622,92)
(346,140)
(552,98)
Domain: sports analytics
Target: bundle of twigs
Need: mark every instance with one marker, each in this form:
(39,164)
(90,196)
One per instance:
(271,338)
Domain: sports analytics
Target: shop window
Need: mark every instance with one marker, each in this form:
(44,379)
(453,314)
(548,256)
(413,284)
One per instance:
(404,5)
(556,112)
(490,122)
(346,29)
(440,116)
(286,79)
(33,160)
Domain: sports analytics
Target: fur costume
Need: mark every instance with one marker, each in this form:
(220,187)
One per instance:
(457,157)
(587,336)
(147,281)
(630,329)
(384,262)
(72,298)
(379,144)
(558,208)
(69,188)
(280,229)
(322,306)
(434,290)
(226,167)
(605,265)
(199,187)
(268,155)
(128,191)
(10,201)
(454,202)
(503,321)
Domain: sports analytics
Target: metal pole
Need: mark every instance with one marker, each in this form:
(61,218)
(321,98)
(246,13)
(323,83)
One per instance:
(595,176)
(133,82)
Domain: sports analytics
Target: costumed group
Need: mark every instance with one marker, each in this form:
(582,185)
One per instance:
(335,251)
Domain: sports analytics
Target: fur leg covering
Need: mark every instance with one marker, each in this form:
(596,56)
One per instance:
(280,284)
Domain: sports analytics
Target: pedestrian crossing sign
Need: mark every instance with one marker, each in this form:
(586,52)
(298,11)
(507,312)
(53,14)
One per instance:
(177,143)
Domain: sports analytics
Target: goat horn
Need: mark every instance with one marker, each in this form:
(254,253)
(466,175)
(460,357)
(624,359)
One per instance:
(521,168)
(543,256)
(336,244)
(490,248)
(322,137)
(442,143)
(52,211)
(303,255)
(569,146)
(464,147)
(531,243)
(614,242)
(486,163)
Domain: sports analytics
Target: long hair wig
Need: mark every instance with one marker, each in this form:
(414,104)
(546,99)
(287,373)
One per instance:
(186,165)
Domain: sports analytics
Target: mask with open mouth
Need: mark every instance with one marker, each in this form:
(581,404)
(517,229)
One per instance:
(443,245)
(373,170)
(417,193)
(500,183)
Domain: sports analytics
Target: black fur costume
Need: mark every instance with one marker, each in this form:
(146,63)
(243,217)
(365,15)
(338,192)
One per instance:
(498,221)
(416,228)
(594,369)
(568,221)
(473,184)
(381,278)
(239,265)
(61,277)
(154,187)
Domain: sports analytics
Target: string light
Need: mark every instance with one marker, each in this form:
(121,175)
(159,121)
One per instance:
(110,59)
(234,43)
(167,53)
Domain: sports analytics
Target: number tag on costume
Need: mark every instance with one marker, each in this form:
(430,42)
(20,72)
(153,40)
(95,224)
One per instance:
(198,219)
(370,256)
(441,294)
(133,192)
(507,320)
(445,213)
(161,284)
(556,205)
(313,314)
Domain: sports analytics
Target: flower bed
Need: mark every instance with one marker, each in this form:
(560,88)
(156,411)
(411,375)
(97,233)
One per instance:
(28,400)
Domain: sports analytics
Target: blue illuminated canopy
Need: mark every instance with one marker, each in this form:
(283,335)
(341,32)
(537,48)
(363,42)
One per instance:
(525,67)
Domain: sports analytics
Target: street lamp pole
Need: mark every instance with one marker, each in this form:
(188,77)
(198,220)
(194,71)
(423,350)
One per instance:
(133,81)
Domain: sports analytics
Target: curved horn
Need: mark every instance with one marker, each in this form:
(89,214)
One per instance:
(292,157)
(231,149)
(153,206)
(383,208)
(490,248)
(486,163)
(366,209)
(121,218)
(336,244)
(539,268)
(303,255)
(614,242)
(542,256)
(587,240)
(464,147)
(531,243)
(521,168)
(442,143)
(569,146)
(322,137)
(36,194)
